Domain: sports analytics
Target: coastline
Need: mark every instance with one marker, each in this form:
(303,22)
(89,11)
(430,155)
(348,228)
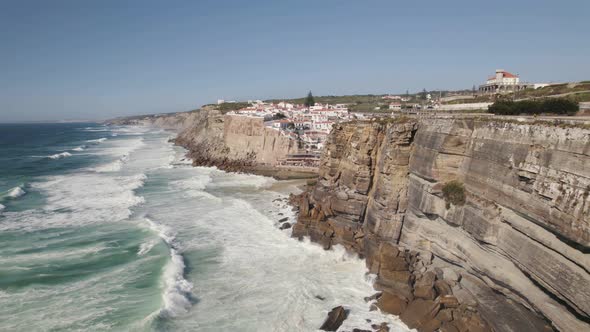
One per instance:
(304,180)
(439,264)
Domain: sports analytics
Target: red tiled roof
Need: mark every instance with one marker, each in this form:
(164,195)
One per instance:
(509,75)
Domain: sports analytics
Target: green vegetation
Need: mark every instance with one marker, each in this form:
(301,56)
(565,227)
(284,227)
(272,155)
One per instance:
(226,107)
(553,90)
(309,101)
(579,97)
(453,193)
(279,116)
(545,106)
(478,99)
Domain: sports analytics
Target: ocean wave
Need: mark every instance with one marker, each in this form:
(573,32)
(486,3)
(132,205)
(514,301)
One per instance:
(60,155)
(15,192)
(114,166)
(80,199)
(230,180)
(193,183)
(80,148)
(145,247)
(97,141)
(2,207)
(95,129)
(176,296)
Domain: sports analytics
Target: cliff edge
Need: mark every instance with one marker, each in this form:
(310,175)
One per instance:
(229,142)
(469,224)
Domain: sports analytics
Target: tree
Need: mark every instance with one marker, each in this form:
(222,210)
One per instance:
(423,95)
(309,101)
(279,116)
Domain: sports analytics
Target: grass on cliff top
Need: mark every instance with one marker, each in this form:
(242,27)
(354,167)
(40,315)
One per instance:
(554,90)
(453,193)
(227,107)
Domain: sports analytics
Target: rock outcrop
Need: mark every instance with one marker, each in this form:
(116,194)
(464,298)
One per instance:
(229,142)
(513,255)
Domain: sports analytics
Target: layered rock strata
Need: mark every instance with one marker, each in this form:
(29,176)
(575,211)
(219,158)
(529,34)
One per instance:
(513,256)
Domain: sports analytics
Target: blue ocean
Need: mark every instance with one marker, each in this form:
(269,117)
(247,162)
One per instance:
(107,228)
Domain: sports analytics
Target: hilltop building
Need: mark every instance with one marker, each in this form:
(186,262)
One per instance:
(502,82)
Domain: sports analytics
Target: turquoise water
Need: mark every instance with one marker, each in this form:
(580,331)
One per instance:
(111,229)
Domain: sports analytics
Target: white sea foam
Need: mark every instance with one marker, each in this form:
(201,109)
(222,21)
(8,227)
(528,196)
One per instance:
(247,274)
(80,199)
(95,129)
(60,155)
(96,141)
(121,149)
(177,290)
(2,207)
(80,148)
(109,167)
(145,247)
(16,192)
(231,180)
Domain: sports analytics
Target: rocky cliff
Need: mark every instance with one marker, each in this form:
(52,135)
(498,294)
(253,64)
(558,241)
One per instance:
(229,142)
(469,224)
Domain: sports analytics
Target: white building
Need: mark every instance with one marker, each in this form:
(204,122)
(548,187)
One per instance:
(395,106)
(502,82)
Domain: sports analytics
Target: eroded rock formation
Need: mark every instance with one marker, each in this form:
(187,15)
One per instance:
(513,257)
(232,143)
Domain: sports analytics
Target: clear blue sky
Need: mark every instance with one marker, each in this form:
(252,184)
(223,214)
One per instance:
(100,59)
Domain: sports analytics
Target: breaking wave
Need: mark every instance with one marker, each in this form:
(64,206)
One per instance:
(177,294)
(14,193)
(97,141)
(60,155)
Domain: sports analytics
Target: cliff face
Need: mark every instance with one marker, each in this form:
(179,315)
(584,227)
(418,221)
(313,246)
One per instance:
(233,143)
(514,254)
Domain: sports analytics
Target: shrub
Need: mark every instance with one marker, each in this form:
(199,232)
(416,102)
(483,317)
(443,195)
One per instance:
(453,193)
(545,106)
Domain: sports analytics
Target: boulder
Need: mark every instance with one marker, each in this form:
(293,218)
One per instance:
(449,301)
(468,321)
(448,327)
(394,264)
(431,325)
(392,303)
(424,287)
(283,219)
(445,315)
(335,318)
(419,313)
(285,226)
(383,327)
(442,288)
(373,297)
(341,195)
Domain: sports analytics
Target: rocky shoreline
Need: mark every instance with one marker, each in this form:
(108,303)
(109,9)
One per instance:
(469,224)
